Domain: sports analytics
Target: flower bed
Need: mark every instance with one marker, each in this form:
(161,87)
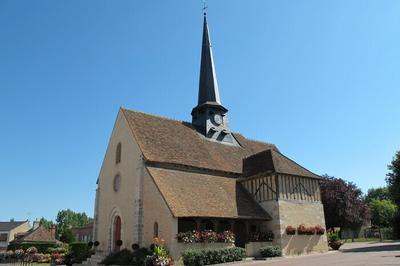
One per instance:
(290,230)
(207,236)
(304,230)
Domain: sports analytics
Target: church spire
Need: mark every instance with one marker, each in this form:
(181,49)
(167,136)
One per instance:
(209,116)
(208,85)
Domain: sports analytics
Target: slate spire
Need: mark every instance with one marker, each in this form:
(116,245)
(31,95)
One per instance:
(208,85)
(209,116)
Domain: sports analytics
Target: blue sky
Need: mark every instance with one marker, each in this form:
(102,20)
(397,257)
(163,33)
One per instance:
(320,79)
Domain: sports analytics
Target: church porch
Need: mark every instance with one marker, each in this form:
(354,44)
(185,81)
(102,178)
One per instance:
(250,234)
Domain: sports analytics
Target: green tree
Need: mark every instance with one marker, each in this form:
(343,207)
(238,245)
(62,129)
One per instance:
(380,193)
(66,219)
(393,182)
(393,179)
(382,212)
(46,223)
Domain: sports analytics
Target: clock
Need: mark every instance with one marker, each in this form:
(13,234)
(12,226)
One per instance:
(217,119)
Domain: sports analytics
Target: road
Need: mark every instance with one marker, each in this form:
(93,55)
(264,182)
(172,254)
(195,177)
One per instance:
(352,254)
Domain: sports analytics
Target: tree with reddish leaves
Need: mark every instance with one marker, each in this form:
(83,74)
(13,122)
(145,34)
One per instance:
(344,205)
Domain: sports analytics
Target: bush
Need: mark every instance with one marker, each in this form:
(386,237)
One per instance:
(79,251)
(212,256)
(41,246)
(57,250)
(271,251)
(126,257)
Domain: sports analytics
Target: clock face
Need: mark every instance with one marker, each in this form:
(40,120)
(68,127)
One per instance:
(217,119)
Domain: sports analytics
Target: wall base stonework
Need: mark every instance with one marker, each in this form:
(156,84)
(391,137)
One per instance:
(303,244)
(294,213)
(253,248)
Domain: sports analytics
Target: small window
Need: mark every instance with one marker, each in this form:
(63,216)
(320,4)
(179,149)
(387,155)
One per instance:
(3,237)
(117,182)
(155,234)
(118,153)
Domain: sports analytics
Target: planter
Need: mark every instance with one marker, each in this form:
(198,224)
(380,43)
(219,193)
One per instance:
(335,245)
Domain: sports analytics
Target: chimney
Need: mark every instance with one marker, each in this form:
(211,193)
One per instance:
(53,231)
(36,224)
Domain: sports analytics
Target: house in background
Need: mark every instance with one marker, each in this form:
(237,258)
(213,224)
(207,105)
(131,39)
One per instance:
(37,233)
(9,229)
(83,233)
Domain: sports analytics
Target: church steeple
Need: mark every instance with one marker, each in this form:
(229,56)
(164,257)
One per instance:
(209,116)
(208,85)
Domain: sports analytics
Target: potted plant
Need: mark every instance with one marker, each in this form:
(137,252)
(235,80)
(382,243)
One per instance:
(290,230)
(334,240)
(301,229)
(119,242)
(319,230)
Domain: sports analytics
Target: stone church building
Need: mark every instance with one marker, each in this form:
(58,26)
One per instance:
(162,176)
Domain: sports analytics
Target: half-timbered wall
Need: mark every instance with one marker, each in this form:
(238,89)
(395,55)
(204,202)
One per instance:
(262,188)
(281,186)
(298,188)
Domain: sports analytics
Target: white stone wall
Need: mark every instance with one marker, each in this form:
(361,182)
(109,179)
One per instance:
(308,213)
(155,210)
(294,213)
(126,202)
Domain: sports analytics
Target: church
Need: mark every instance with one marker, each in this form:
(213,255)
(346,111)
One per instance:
(161,177)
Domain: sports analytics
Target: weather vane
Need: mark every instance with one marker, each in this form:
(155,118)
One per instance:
(204,6)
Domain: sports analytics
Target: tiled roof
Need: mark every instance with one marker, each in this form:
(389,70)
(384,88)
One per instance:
(7,226)
(273,161)
(199,195)
(40,234)
(171,141)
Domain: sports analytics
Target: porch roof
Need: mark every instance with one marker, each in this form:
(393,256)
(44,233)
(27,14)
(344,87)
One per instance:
(189,194)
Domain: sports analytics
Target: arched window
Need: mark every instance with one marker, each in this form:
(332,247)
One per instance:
(155,234)
(117,182)
(118,153)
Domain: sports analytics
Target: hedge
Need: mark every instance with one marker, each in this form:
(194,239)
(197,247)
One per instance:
(79,251)
(42,247)
(212,256)
(271,251)
(126,257)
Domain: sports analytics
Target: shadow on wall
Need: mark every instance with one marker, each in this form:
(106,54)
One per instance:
(302,244)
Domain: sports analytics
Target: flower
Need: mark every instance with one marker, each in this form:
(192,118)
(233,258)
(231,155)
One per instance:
(207,236)
(290,230)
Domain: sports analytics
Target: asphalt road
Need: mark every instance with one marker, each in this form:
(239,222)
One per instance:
(352,254)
